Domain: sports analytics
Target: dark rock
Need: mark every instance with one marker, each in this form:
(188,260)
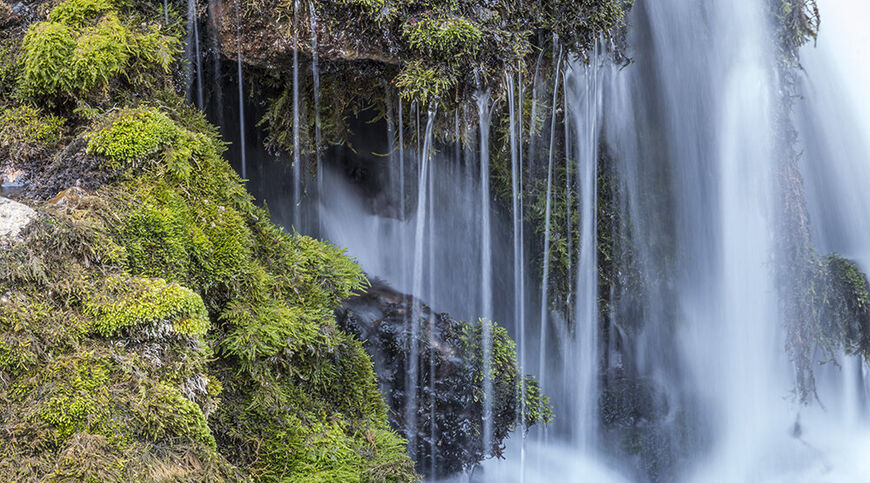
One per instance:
(449,416)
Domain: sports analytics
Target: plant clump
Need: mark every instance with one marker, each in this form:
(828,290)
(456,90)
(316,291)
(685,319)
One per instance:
(25,131)
(84,46)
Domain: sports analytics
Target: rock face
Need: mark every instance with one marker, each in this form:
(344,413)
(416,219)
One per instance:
(13,218)
(449,414)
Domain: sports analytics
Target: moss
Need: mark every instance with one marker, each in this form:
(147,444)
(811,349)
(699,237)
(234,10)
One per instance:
(443,37)
(134,135)
(97,392)
(80,13)
(118,295)
(85,46)
(423,83)
(506,377)
(25,131)
(126,302)
(48,48)
(844,308)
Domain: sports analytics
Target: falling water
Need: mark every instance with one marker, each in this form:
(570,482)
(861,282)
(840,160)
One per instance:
(411,403)
(515,129)
(241,89)
(484,113)
(833,124)
(545,275)
(194,57)
(586,117)
(214,7)
(315,74)
(297,162)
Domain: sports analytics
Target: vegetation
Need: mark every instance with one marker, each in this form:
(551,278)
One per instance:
(25,131)
(442,51)
(85,46)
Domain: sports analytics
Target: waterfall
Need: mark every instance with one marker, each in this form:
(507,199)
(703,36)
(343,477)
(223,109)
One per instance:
(690,324)
(833,124)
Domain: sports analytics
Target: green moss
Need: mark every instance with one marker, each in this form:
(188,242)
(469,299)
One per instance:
(134,135)
(443,37)
(423,83)
(126,302)
(24,131)
(80,13)
(48,48)
(98,392)
(845,307)
(85,46)
(101,54)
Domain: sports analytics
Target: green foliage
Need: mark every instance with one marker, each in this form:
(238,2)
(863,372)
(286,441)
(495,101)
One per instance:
(24,131)
(126,302)
(423,83)
(504,373)
(134,135)
(85,46)
(845,307)
(443,37)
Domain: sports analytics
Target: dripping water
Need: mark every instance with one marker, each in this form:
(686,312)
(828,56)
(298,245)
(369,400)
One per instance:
(315,74)
(545,275)
(411,400)
(194,57)
(484,113)
(297,162)
(241,89)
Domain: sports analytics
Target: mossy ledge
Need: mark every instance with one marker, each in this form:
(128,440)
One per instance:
(154,323)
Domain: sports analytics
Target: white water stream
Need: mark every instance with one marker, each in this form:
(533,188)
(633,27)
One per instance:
(689,127)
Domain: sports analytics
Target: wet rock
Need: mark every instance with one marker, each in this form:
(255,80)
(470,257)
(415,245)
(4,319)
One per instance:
(449,413)
(14,217)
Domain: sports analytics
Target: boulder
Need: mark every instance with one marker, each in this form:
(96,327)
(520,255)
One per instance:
(449,412)
(14,217)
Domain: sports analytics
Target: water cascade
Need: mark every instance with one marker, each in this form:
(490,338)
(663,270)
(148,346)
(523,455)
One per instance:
(659,178)
(194,57)
(423,198)
(242,150)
